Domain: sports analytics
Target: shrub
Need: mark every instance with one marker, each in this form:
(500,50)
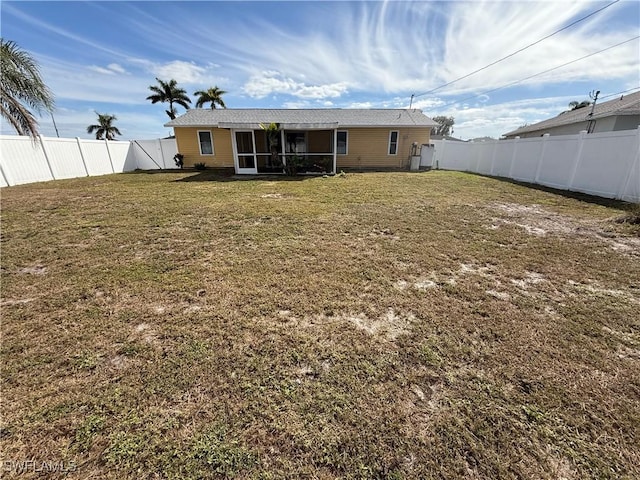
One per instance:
(200,166)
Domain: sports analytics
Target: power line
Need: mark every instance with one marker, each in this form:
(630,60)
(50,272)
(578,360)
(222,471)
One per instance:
(539,73)
(619,93)
(517,51)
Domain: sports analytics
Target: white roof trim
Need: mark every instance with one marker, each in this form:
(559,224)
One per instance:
(283,126)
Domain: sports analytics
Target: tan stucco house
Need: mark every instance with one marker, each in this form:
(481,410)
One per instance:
(319,140)
(621,113)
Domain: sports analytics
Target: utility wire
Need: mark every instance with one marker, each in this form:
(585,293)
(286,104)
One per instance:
(517,51)
(539,73)
(618,93)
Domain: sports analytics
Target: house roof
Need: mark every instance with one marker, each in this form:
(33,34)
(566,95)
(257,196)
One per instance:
(624,105)
(302,118)
(446,137)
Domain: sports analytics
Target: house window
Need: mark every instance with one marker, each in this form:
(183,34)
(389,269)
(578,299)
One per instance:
(393,142)
(342,142)
(205,140)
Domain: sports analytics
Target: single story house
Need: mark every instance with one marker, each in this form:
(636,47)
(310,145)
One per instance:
(318,140)
(621,113)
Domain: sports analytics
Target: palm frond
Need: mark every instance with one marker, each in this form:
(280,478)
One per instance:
(21,86)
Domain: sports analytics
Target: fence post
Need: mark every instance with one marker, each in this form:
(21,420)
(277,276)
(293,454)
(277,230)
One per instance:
(164,164)
(513,155)
(84,162)
(477,152)
(576,162)
(46,156)
(6,180)
(442,144)
(545,139)
(627,178)
(106,142)
(493,156)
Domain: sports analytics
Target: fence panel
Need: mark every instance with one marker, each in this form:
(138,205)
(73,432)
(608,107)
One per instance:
(455,155)
(502,158)
(119,154)
(97,157)
(169,148)
(484,156)
(557,160)
(23,161)
(64,157)
(604,163)
(630,190)
(525,165)
(148,154)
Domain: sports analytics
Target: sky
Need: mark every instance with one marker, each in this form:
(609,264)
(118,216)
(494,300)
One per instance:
(101,57)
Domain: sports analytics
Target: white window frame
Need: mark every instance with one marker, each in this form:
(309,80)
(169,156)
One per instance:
(391,132)
(346,143)
(213,151)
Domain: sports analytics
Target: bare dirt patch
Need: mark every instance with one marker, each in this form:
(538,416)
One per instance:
(536,220)
(33,270)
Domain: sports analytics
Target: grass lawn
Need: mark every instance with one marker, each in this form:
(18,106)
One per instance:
(392,325)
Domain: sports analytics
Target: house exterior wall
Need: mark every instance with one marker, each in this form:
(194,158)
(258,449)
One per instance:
(627,122)
(369,147)
(188,145)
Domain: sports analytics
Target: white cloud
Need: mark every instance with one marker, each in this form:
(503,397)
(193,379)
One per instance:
(417,46)
(103,71)
(296,105)
(265,83)
(495,120)
(183,72)
(116,68)
(360,105)
(363,54)
(111,69)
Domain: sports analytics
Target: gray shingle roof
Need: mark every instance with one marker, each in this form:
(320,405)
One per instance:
(320,118)
(625,105)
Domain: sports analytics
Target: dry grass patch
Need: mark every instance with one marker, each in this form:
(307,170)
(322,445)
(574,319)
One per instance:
(436,325)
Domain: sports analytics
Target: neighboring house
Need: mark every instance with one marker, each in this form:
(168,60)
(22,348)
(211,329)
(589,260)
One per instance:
(446,137)
(482,139)
(320,140)
(622,113)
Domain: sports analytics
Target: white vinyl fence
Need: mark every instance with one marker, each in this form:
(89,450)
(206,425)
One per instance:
(605,164)
(23,160)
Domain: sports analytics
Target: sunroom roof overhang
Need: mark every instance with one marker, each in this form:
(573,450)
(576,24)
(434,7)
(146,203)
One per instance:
(283,126)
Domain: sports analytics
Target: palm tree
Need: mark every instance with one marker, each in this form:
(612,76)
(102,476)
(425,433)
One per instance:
(21,88)
(213,95)
(104,128)
(169,92)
